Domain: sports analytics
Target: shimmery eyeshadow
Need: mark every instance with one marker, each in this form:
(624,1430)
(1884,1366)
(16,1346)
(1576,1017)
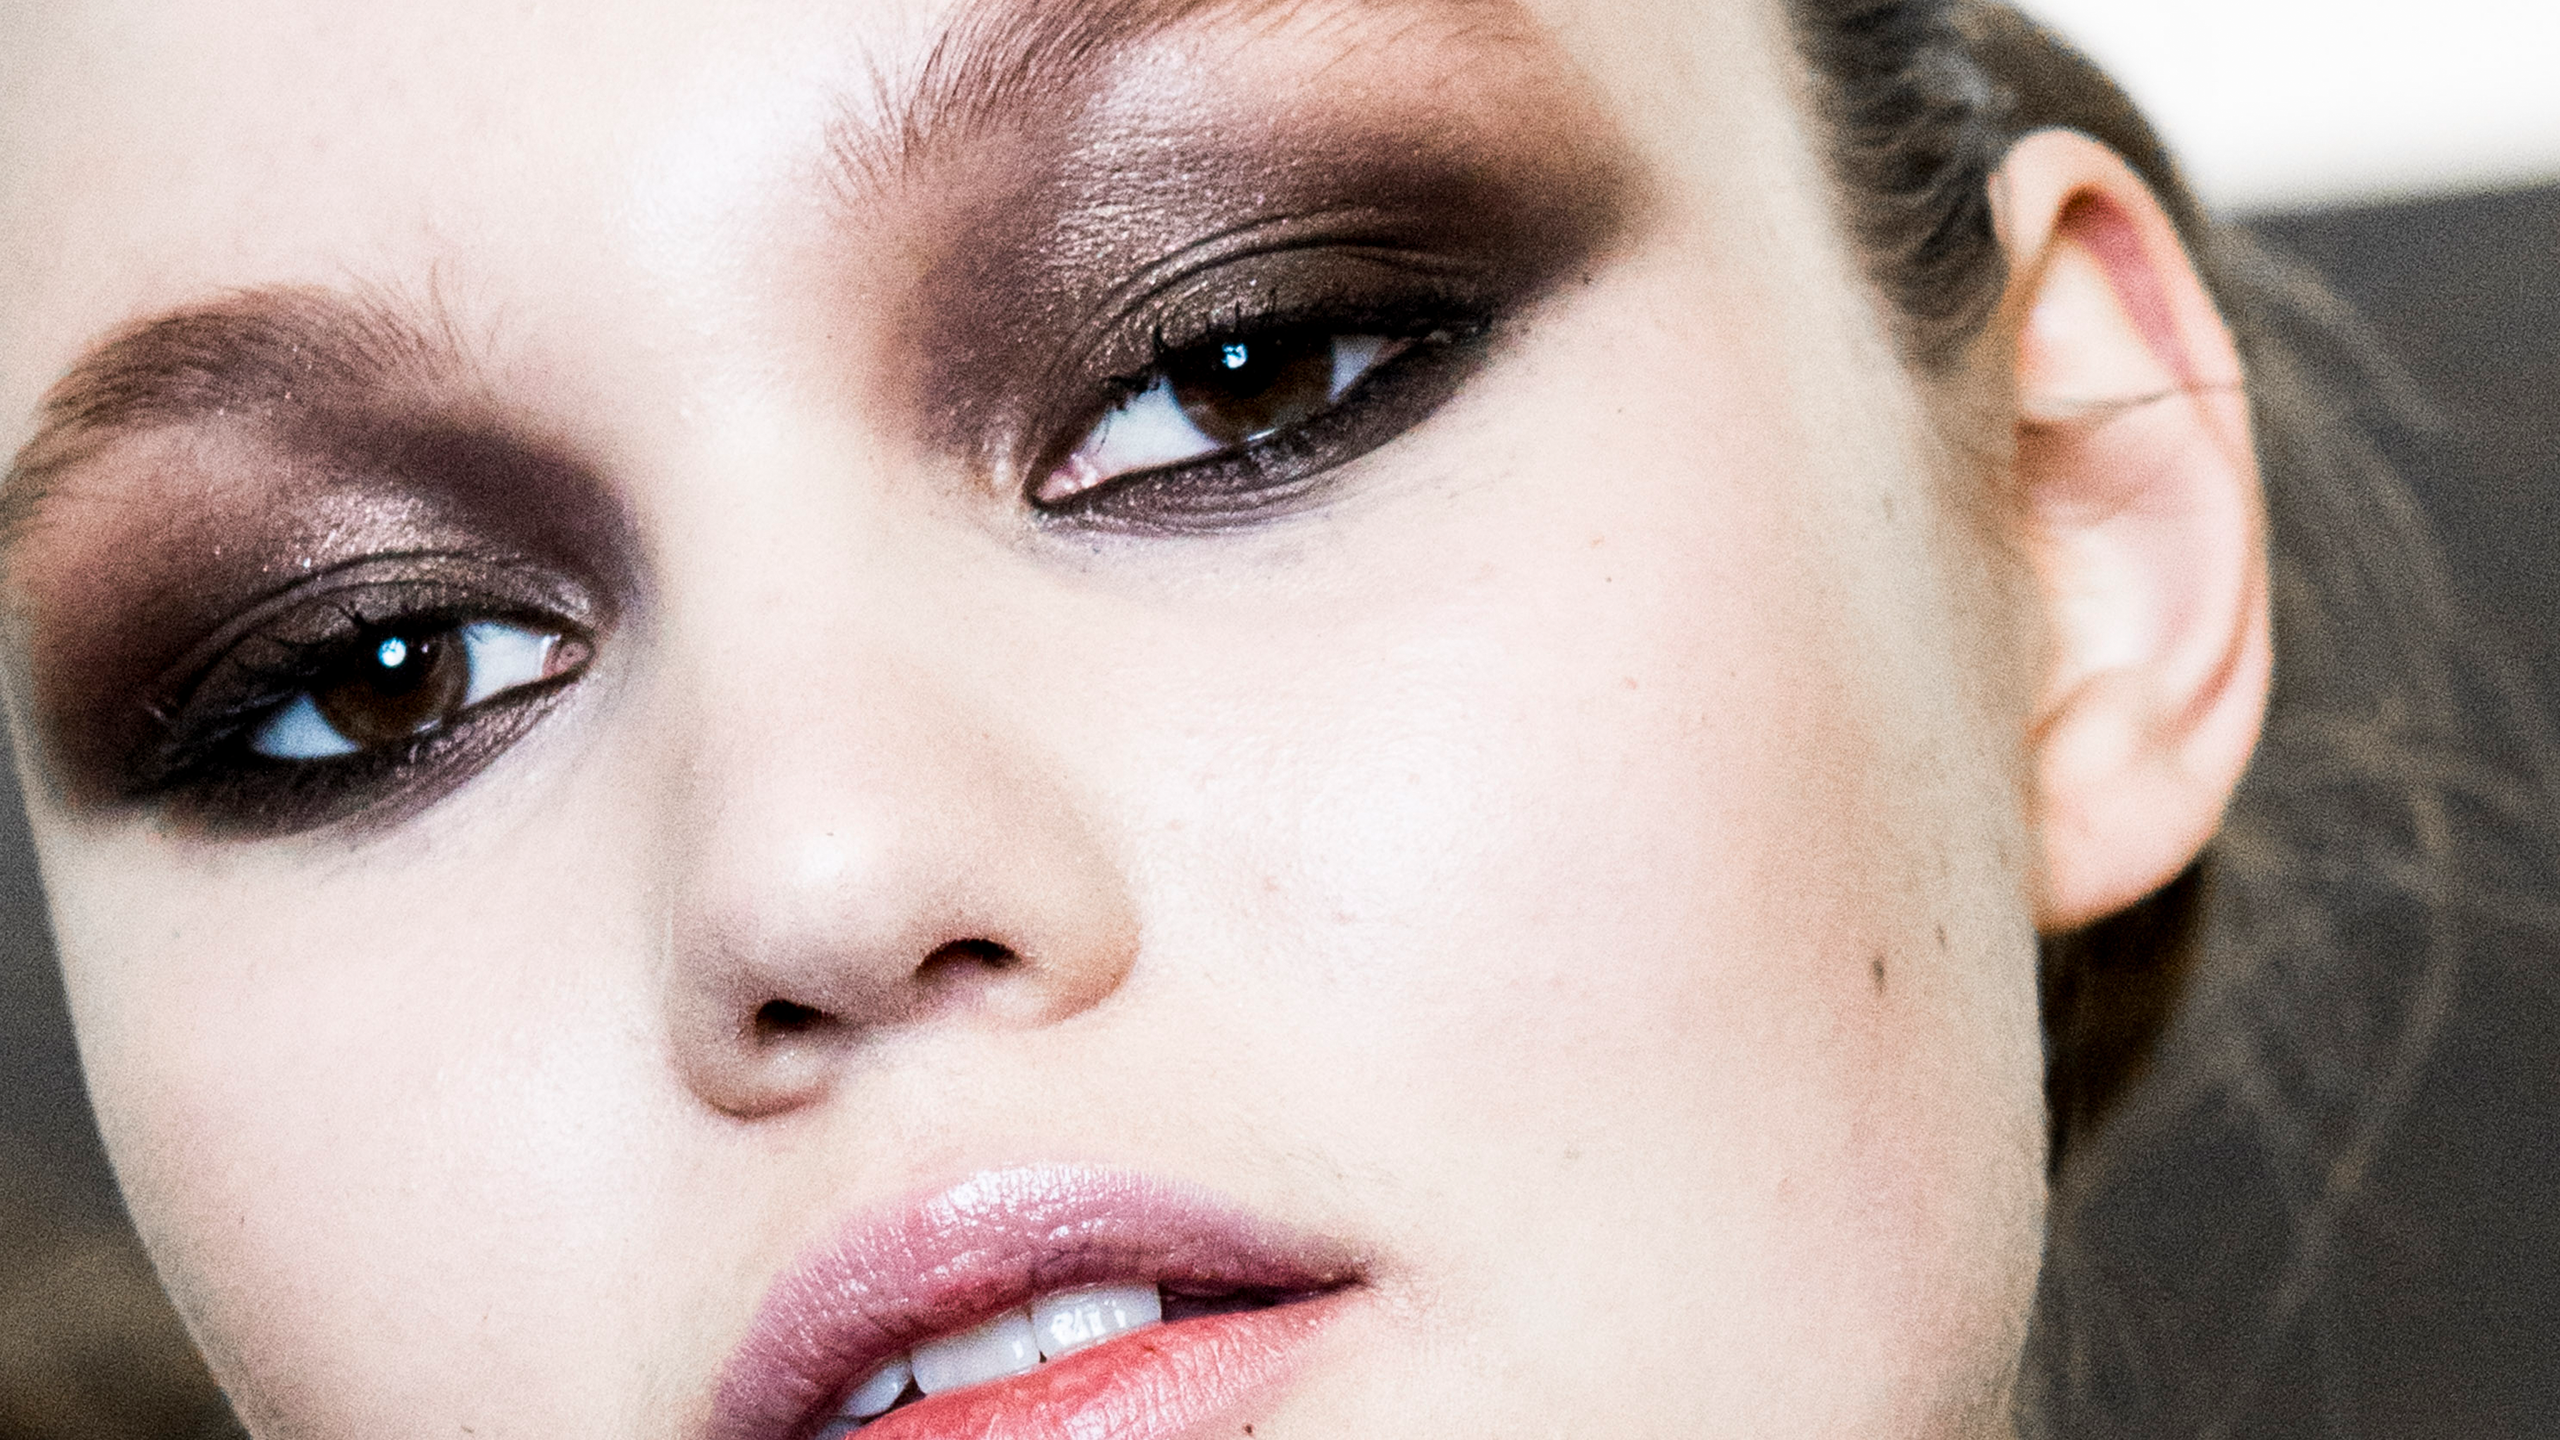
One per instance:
(1056,259)
(114,597)
(1052,226)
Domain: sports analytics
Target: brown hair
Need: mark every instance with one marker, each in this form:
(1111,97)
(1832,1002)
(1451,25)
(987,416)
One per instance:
(2399,806)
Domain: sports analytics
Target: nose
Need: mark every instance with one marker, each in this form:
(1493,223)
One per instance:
(904,862)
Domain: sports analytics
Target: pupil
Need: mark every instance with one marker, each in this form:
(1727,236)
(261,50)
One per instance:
(412,684)
(1238,391)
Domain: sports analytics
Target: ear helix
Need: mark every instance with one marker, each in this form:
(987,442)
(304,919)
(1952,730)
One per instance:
(2139,509)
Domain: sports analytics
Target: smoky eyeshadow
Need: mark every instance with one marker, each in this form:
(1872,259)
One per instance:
(306,467)
(154,649)
(1279,475)
(1127,238)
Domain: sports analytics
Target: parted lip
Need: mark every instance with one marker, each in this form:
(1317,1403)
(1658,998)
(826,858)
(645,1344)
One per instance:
(885,1282)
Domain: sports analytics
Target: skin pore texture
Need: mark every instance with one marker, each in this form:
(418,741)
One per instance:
(1560,829)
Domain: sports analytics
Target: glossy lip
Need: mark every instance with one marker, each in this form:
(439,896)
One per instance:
(887,1282)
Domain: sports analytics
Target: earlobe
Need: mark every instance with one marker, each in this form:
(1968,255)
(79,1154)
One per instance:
(2138,503)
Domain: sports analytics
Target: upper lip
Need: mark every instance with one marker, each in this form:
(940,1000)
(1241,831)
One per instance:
(885,1282)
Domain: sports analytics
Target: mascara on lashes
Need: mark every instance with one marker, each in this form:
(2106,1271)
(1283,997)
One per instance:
(1024,324)
(213,761)
(414,518)
(1054,294)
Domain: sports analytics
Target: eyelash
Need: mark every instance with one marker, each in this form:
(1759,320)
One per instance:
(226,756)
(1427,340)
(236,754)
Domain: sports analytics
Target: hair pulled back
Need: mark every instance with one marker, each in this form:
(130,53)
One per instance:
(2273,1006)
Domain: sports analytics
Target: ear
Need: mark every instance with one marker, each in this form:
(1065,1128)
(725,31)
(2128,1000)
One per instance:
(2139,506)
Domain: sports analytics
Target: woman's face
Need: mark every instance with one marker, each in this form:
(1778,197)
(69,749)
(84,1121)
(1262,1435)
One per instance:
(723,687)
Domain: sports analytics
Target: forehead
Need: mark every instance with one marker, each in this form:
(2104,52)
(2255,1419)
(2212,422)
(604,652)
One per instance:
(551,165)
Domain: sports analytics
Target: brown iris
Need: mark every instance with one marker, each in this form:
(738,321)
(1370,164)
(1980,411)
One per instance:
(397,687)
(1240,390)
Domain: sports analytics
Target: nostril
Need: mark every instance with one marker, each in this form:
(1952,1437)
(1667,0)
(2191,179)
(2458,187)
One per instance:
(954,972)
(783,1020)
(975,976)
(964,956)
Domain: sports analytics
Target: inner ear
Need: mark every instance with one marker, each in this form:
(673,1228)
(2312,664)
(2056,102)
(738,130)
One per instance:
(2139,507)
(2100,332)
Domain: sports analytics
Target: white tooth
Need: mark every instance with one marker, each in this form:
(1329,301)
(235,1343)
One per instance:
(875,1395)
(1003,1346)
(838,1429)
(1073,1319)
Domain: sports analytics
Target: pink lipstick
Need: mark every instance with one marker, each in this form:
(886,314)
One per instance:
(1033,1302)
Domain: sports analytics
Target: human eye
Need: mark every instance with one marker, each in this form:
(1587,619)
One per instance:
(1243,392)
(1216,399)
(393,684)
(358,694)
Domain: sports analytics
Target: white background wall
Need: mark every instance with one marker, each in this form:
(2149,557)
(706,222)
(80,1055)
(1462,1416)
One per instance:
(2293,102)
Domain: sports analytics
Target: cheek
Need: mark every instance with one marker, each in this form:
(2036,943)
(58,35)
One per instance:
(1672,923)
(1536,849)
(371,1114)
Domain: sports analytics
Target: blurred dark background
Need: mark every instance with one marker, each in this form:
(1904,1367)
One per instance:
(2441,1312)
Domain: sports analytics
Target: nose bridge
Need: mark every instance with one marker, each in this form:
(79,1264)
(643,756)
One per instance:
(865,842)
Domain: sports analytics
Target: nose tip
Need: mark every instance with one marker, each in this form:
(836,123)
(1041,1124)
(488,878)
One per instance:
(767,1017)
(931,879)
(762,1039)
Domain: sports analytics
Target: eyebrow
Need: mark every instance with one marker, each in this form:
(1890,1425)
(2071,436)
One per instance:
(271,357)
(1011,60)
(275,356)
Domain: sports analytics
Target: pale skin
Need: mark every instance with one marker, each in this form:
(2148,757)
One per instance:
(1589,861)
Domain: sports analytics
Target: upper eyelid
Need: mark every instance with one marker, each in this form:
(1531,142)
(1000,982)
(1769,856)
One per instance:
(1262,497)
(1414,265)
(1129,390)
(198,768)
(203,704)
(1059,266)
(292,424)
(1368,284)
(458,575)
(1319,230)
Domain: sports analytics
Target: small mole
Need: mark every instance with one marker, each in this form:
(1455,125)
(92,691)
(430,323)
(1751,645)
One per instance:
(1875,967)
(1248,1429)
(1942,937)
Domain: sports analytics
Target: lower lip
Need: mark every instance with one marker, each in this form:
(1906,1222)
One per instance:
(1161,1383)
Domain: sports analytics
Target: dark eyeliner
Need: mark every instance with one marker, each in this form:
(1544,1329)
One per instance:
(1440,314)
(1274,474)
(199,765)
(1057,280)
